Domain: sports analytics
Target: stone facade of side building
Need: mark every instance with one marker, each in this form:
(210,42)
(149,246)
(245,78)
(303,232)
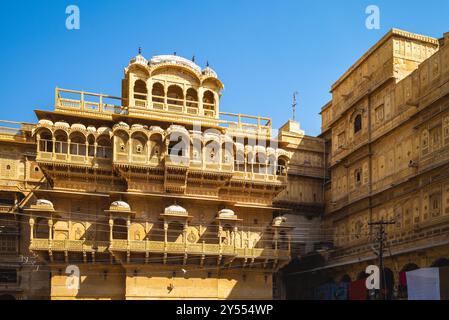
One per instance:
(386,131)
(155,194)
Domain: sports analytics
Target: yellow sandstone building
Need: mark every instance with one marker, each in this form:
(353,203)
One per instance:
(156,194)
(386,132)
(159,194)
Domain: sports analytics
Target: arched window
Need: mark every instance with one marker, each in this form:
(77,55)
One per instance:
(260,165)
(156,147)
(104,148)
(158,96)
(174,232)
(77,144)
(281,167)
(139,146)
(239,159)
(227,149)
(175,95)
(212,150)
(358,176)
(121,142)
(91,145)
(192,101)
(283,240)
(209,103)
(357,123)
(61,141)
(140,90)
(46,143)
(41,229)
(119,230)
(179,147)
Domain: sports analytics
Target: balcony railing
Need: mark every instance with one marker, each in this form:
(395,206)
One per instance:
(14,130)
(142,246)
(76,153)
(100,104)
(73,100)
(68,245)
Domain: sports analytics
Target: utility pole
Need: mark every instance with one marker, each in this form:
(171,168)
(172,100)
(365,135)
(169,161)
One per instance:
(381,238)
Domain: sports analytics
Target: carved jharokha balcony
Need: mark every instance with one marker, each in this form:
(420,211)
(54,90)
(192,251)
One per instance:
(161,247)
(137,246)
(73,153)
(68,245)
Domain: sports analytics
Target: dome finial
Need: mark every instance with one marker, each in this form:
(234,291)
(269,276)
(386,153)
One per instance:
(207,63)
(140,50)
(193,58)
(174,53)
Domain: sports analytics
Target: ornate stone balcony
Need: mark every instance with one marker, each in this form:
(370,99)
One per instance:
(157,247)
(68,245)
(143,246)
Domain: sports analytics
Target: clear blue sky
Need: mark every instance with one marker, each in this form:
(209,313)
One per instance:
(261,50)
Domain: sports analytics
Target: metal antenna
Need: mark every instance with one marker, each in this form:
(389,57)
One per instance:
(294,105)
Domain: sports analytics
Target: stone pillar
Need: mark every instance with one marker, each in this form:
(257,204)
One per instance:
(130,148)
(184,102)
(68,148)
(184,232)
(111,226)
(53,141)
(31,228)
(165,95)
(128,225)
(165,232)
(200,101)
(220,230)
(234,236)
(50,229)
(149,84)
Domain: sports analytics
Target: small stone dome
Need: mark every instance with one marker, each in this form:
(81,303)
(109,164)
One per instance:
(44,204)
(62,124)
(102,130)
(91,129)
(279,221)
(78,126)
(45,122)
(119,206)
(139,59)
(175,209)
(208,71)
(226,213)
(122,124)
(137,126)
(174,60)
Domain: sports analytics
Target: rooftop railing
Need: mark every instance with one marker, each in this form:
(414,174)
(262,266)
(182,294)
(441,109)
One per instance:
(94,103)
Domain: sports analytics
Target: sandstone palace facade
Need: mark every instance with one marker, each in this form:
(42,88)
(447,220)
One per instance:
(156,194)
(386,132)
(159,194)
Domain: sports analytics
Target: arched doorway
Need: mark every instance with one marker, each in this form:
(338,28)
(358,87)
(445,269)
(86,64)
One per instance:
(441,262)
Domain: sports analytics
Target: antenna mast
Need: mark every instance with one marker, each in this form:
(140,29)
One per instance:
(294,105)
